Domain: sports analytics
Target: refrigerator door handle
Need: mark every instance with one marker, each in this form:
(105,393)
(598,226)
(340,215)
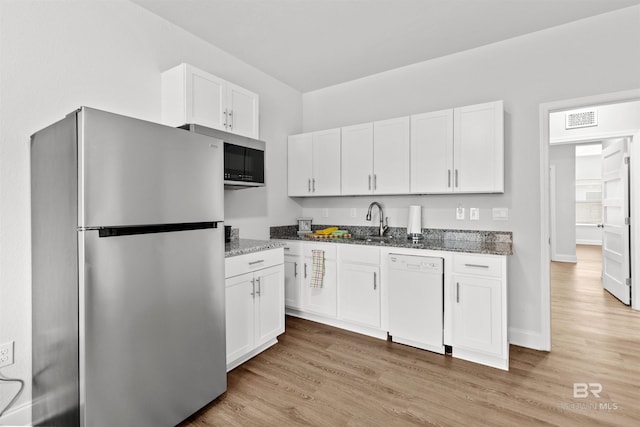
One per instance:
(156,228)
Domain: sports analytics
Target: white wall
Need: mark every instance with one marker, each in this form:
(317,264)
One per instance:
(58,55)
(563,241)
(591,56)
(621,119)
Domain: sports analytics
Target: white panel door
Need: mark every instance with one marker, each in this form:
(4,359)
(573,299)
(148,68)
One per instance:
(292,281)
(242,111)
(391,156)
(299,164)
(269,304)
(357,159)
(322,300)
(432,152)
(615,213)
(206,98)
(477,314)
(325,180)
(239,301)
(478,153)
(360,294)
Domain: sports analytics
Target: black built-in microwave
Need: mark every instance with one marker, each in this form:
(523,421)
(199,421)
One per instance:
(243,157)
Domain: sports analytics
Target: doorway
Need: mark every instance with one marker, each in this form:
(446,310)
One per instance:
(602,132)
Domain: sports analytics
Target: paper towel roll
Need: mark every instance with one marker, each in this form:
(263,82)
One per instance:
(414,226)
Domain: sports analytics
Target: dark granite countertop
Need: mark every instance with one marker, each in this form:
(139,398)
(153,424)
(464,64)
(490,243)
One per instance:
(470,241)
(247,246)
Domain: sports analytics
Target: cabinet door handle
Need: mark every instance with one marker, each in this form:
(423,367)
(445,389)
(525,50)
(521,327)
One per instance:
(287,248)
(457,292)
(295,269)
(253,288)
(259,286)
(305,270)
(476,265)
(226,115)
(231,119)
(456,178)
(448,178)
(313,184)
(309,184)
(375,181)
(375,280)
(369,182)
(256,262)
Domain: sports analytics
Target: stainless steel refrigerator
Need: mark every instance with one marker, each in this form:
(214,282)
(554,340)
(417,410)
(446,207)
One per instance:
(127,278)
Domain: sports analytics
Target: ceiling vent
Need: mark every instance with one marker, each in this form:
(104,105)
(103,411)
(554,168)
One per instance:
(581,119)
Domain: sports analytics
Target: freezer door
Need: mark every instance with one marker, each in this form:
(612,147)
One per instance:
(137,172)
(152,331)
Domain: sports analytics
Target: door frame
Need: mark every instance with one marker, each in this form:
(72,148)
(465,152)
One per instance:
(544,110)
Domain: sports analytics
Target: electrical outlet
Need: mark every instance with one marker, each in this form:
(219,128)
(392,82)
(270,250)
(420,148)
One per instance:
(6,354)
(474,214)
(325,213)
(353,212)
(459,212)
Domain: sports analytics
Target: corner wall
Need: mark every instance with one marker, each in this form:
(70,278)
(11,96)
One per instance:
(587,57)
(59,55)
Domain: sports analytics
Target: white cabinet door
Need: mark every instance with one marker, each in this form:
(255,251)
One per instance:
(242,111)
(292,281)
(239,315)
(357,159)
(477,314)
(479,148)
(205,98)
(299,164)
(325,180)
(432,152)
(269,304)
(391,156)
(360,294)
(322,300)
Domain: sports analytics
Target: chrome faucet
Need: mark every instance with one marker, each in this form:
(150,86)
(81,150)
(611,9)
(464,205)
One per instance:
(383,228)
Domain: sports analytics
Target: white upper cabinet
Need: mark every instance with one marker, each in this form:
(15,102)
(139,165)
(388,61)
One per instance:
(478,153)
(314,164)
(458,150)
(375,158)
(191,95)
(432,152)
(357,159)
(391,156)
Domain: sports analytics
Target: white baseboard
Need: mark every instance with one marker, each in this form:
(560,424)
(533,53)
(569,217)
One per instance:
(18,416)
(527,338)
(564,258)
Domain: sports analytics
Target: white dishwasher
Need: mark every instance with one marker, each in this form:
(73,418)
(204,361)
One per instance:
(416,306)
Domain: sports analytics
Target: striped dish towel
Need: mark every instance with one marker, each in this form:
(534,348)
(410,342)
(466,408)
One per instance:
(317,269)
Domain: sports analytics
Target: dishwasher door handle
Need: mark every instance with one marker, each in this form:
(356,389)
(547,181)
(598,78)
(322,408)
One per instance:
(457,292)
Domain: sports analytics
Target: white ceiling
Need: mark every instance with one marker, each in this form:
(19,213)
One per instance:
(311,44)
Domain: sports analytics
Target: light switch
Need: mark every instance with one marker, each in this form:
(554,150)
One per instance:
(325,212)
(353,212)
(474,214)
(500,214)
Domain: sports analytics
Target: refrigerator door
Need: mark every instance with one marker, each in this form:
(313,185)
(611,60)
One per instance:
(136,172)
(152,332)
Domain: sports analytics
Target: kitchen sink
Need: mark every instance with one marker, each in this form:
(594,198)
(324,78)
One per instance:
(374,238)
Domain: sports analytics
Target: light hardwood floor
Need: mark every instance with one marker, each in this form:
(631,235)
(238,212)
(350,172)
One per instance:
(321,376)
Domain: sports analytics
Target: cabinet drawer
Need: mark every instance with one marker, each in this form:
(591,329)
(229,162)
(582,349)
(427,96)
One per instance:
(254,261)
(291,247)
(328,248)
(479,265)
(359,254)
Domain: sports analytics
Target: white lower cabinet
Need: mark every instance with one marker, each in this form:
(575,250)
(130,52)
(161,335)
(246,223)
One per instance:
(359,285)
(322,299)
(254,307)
(293,266)
(479,305)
